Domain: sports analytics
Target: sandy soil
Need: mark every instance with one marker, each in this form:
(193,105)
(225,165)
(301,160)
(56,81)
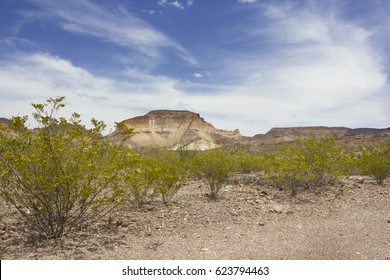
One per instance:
(348,220)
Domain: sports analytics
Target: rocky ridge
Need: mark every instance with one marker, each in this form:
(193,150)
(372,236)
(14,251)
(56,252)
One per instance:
(285,134)
(5,121)
(175,129)
(365,133)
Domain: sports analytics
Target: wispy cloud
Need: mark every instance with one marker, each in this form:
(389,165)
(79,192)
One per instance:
(287,64)
(119,26)
(201,74)
(247,1)
(310,68)
(175,3)
(198,75)
(35,77)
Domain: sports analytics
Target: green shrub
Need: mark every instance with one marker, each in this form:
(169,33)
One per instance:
(375,161)
(139,179)
(305,163)
(155,172)
(173,173)
(61,175)
(185,154)
(247,162)
(214,167)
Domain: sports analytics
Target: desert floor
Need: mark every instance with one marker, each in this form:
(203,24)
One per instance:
(347,220)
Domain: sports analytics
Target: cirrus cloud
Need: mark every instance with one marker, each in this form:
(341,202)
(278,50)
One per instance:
(119,27)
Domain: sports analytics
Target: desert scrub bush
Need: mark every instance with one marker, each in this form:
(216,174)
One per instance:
(214,167)
(173,172)
(374,161)
(185,154)
(350,159)
(305,163)
(139,180)
(61,175)
(246,162)
(156,172)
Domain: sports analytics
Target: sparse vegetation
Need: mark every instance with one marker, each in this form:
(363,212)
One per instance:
(246,161)
(139,179)
(61,175)
(214,167)
(155,172)
(174,172)
(374,161)
(305,163)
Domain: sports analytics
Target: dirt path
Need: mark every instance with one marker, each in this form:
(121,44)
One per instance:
(350,220)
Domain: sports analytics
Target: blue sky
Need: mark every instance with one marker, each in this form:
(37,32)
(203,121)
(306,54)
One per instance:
(246,64)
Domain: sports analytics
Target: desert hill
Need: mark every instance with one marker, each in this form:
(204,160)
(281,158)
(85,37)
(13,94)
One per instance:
(285,134)
(5,121)
(174,129)
(366,133)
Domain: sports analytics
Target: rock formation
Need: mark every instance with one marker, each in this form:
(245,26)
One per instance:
(285,134)
(5,121)
(175,129)
(365,133)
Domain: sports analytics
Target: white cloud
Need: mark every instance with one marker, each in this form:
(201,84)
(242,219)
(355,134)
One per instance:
(30,78)
(198,75)
(311,68)
(296,67)
(15,41)
(247,1)
(150,12)
(201,74)
(119,27)
(284,94)
(176,4)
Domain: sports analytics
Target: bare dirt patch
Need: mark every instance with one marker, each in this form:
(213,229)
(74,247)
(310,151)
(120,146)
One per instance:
(251,220)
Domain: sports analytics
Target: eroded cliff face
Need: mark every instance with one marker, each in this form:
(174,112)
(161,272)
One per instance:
(184,129)
(5,121)
(291,133)
(174,129)
(281,134)
(367,133)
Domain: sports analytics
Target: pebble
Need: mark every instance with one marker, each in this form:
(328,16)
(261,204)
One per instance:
(125,223)
(276,209)
(233,213)
(4,236)
(149,208)
(79,251)
(40,250)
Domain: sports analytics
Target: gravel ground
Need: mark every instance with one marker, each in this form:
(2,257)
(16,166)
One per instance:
(348,220)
